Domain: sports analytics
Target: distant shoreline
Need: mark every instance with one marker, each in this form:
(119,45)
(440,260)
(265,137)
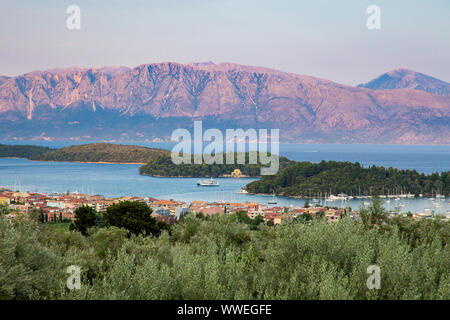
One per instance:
(101,162)
(227,176)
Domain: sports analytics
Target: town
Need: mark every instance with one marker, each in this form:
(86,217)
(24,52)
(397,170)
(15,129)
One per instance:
(60,207)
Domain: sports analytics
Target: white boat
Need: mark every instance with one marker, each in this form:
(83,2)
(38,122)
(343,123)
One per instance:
(340,196)
(243,191)
(208,183)
(439,196)
(273,201)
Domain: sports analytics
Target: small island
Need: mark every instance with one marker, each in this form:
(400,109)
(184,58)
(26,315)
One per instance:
(164,167)
(90,153)
(22,151)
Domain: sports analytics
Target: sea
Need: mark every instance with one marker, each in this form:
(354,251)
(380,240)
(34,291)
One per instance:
(115,180)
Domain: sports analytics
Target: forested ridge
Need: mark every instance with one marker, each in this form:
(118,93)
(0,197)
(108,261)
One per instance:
(310,179)
(102,152)
(164,167)
(22,151)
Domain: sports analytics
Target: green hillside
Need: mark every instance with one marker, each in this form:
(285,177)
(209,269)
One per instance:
(310,179)
(18,151)
(102,152)
(164,167)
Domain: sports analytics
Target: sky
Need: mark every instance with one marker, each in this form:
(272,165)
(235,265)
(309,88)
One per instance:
(323,38)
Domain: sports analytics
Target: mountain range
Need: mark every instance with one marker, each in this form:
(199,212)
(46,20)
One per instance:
(148,102)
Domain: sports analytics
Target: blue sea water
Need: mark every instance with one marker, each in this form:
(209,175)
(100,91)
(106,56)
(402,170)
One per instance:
(124,180)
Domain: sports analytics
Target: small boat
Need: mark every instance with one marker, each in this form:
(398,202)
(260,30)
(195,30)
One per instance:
(208,183)
(243,191)
(273,201)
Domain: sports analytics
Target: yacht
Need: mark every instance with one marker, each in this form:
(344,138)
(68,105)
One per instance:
(273,201)
(243,191)
(208,183)
(340,196)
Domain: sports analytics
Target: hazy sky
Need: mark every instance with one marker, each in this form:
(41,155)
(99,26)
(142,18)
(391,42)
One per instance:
(326,39)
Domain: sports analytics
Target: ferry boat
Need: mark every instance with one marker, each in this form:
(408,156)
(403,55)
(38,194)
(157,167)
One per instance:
(340,196)
(208,183)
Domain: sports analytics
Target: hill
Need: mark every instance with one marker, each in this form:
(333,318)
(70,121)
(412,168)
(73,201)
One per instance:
(404,78)
(19,151)
(164,167)
(102,152)
(151,100)
(306,179)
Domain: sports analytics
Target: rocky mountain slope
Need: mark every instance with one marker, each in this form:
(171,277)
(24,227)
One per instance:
(151,100)
(404,78)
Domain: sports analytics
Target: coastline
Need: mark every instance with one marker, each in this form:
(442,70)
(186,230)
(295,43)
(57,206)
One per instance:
(224,176)
(101,162)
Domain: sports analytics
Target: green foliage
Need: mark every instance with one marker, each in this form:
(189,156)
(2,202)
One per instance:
(303,218)
(4,209)
(102,152)
(164,167)
(375,215)
(134,216)
(27,267)
(85,218)
(19,151)
(243,217)
(223,258)
(37,215)
(307,179)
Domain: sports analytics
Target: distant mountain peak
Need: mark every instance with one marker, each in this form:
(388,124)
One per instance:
(402,78)
(151,100)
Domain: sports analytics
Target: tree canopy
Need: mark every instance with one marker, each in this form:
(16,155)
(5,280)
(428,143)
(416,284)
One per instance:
(135,217)
(309,179)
